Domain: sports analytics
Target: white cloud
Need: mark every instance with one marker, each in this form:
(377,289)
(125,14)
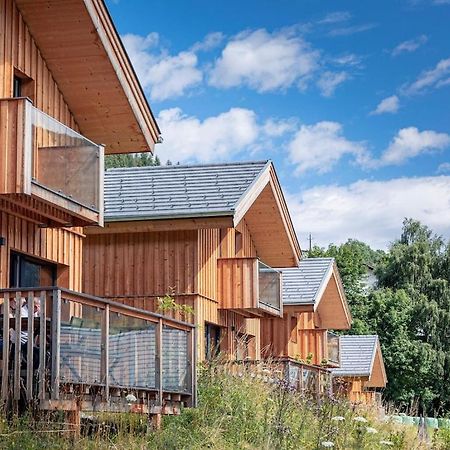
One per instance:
(409,46)
(371,211)
(347,59)
(329,81)
(320,146)
(429,79)
(335,17)
(444,168)
(264,61)
(163,75)
(216,138)
(387,105)
(410,142)
(354,29)
(210,41)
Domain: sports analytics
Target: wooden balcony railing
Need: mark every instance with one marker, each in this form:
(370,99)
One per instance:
(48,169)
(307,379)
(250,287)
(84,349)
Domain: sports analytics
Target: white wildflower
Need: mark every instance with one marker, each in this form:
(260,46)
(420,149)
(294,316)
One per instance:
(338,418)
(388,443)
(327,444)
(130,398)
(371,430)
(360,419)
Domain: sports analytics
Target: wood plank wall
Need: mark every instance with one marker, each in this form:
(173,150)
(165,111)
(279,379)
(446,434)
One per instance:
(61,246)
(135,268)
(11,143)
(19,50)
(294,336)
(141,264)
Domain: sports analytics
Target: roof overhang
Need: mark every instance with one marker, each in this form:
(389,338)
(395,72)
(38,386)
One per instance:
(83,50)
(378,376)
(264,210)
(148,226)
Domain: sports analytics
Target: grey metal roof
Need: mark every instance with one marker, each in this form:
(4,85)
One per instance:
(140,193)
(357,355)
(304,284)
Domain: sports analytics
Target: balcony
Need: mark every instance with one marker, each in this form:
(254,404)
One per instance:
(333,349)
(49,172)
(249,287)
(310,380)
(87,351)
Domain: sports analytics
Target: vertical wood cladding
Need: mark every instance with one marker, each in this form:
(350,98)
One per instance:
(19,51)
(141,264)
(294,336)
(60,246)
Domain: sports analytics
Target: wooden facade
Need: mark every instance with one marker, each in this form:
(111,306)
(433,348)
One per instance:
(357,387)
(66,83)
(137,262)
(303,331)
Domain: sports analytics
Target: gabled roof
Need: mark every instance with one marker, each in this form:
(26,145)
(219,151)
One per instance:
(85,55)
(143,193)
(360,357)
(304,285)
(315,286)
(142,197)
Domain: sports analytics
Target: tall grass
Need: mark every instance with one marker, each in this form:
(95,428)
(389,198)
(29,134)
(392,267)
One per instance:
(235,411)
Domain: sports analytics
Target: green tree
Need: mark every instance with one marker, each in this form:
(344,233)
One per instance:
(418,263)
(353,259)
(409,309)
(131,160)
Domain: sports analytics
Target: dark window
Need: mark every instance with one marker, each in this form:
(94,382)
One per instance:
(237,243)
(17,86)
(212,340)
(30,272)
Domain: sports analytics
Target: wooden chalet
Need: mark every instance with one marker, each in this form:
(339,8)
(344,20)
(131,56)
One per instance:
(313,304)
(208,235)
(68,94)
(361,374)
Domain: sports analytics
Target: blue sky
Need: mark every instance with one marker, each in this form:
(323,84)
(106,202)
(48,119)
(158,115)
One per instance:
(350,99)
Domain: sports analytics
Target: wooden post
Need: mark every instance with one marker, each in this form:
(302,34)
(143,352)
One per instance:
(17,351)
(56,334)
(5,353)
(30,344)
(42,344)
(159,362)
(104,365)
(74,420)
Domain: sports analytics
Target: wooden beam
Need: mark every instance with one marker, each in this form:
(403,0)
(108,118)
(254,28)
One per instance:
(145,226)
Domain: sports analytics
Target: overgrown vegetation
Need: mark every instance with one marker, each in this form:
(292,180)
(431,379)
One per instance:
(241,411)
(409,309)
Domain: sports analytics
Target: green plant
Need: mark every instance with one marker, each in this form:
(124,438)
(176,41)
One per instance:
(168,304)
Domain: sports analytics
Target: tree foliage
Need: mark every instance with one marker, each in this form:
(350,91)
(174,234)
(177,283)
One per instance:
(409,309)
(131,160)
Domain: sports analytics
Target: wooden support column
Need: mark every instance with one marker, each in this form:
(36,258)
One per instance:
(104,365)
(42,344)
(5,353)
(159,361)
(17,351)
(30,345)
(56,334)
